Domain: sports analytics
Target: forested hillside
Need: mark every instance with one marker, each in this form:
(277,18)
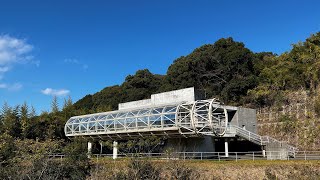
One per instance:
(283,88)
(227,70)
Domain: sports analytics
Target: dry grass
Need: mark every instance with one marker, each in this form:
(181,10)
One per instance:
(196,169)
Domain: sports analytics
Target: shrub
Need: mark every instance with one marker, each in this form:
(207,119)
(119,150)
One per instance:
(317,105)
(7,148)
(176,170)
(289,123)
(76,164)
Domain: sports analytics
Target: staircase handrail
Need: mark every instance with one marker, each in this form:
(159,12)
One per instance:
(261,140)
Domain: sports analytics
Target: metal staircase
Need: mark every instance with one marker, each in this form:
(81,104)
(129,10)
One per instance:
(266,141)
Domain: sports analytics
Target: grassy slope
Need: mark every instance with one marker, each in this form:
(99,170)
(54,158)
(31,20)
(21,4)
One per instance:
(262,169)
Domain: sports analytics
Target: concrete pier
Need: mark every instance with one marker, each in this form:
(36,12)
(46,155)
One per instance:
(115,150)
(89,148)
(226,147)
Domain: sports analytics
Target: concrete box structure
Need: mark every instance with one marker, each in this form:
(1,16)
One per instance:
(165,98)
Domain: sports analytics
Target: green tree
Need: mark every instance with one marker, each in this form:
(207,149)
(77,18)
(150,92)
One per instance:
(25,121)
(56,119)
(224,69)
(138,86)
(85,104)
(10,120)
(44,127)
(54,105)
(68,109)
(297,69)
(33,120)
(141,85)
(227,70)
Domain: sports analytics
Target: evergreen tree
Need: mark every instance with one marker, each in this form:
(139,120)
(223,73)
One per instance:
(68,109)
(16,121)
(33,121)
(25,121)
(67,103)
(54,105)
(11,122)
(6,118)
(32,112)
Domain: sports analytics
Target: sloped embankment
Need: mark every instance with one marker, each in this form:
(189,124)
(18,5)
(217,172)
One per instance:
(296,121)
(195,169)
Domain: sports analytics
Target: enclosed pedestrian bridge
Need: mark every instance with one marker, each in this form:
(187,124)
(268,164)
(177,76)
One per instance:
(185,119)
(180,114)
(176,113)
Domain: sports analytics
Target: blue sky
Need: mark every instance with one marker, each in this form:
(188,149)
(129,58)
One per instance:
(78,47)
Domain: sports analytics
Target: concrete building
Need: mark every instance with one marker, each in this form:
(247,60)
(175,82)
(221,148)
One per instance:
(184,117)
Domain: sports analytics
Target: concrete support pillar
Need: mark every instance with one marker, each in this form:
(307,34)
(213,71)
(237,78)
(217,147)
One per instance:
(226,147)
(101,146)
(263,151)
(89,148)
(115,150)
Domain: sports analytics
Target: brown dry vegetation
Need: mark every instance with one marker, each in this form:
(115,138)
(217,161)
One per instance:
(195,169)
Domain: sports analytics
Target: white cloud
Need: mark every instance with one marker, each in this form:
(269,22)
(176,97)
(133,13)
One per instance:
(11,87)
(4,69)
(14,51)
(55,92)
(77,62)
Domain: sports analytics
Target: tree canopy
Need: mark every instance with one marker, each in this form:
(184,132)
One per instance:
(225,69)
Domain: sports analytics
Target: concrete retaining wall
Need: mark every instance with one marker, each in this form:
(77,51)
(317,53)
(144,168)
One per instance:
(171,97)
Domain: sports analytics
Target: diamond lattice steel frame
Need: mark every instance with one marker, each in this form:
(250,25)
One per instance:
(203,117)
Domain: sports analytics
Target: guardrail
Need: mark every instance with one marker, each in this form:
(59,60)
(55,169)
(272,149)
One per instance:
(215,156)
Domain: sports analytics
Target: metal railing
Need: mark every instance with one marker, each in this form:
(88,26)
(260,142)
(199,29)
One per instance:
(215,156)
(262,140)
(250,136)
(220,156)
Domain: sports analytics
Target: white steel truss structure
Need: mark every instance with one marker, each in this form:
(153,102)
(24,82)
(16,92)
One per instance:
(189,119)
(202,117)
